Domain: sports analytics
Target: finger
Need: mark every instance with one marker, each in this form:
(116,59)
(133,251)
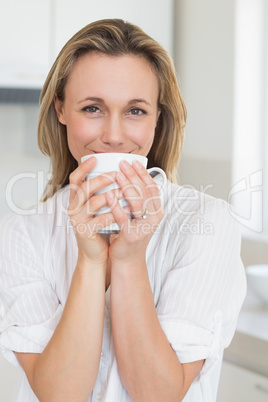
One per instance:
(120,214)
(151,196)
(150,185)
(132,192)
(92,205)
(103,220)
(145,186)
(78,175)
(98,201)
(99,182)
(81,193)
(89,228)
(132,175)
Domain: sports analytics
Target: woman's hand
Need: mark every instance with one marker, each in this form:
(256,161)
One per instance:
(83,205)
(142,194)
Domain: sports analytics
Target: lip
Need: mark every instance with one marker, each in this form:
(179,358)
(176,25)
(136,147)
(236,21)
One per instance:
(111,152)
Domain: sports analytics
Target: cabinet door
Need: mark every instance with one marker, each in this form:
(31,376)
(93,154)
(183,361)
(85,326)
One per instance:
(240,385)
(24,44)
(155,17)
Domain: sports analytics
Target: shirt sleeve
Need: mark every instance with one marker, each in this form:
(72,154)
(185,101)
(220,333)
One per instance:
(29,307)
(204,291)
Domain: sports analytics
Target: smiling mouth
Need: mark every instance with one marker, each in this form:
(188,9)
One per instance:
(107,152)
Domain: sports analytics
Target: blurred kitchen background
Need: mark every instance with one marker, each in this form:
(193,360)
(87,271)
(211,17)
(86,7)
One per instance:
(220,50)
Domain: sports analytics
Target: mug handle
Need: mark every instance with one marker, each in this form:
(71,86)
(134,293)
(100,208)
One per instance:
(163,174)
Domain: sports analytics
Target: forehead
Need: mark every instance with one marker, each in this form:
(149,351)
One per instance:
(97,71)
(97,59)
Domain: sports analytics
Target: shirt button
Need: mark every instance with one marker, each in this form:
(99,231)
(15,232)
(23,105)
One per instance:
(102,354)
(98,396)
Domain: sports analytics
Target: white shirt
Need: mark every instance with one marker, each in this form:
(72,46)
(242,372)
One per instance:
(195,272)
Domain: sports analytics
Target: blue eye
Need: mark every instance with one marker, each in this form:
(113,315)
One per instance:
(137,111)
(91,109)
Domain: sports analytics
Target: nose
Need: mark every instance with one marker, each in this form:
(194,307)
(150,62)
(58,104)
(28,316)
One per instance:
(113,131)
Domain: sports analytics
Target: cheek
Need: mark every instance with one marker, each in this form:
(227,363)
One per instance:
(79,132)
(145,135)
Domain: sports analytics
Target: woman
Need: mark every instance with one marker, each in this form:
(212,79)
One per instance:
(146,314)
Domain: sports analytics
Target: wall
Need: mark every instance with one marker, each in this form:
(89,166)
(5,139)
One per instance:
(20,159)
(205,64)
(204,56)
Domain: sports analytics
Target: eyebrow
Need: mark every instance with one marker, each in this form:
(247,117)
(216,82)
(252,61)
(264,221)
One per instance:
(94,99)
(139,101)
(100,100)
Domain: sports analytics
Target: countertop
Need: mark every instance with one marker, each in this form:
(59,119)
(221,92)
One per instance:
(249,347)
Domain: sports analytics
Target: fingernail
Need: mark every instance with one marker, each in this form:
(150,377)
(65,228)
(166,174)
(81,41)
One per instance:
(125,164)
(89,160)
(138,164)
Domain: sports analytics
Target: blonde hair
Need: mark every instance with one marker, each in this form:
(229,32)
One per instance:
(112,37)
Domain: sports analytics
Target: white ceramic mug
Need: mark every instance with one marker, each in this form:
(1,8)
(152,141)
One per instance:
(109,162)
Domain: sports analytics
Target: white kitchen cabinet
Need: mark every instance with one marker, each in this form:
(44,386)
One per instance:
(241,385)
(25,42)
(33,32)
(155,17)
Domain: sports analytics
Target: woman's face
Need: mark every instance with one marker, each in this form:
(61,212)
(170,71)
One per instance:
(110,105)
